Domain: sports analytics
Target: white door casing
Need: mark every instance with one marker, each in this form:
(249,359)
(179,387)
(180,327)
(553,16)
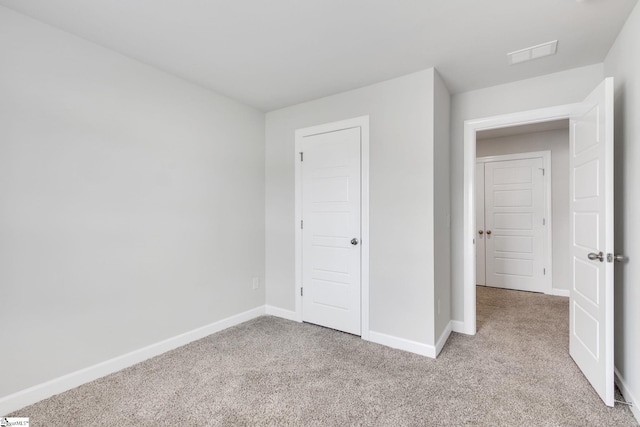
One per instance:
(480,236)
(471,127)
(331,211)
(515,224)
(591,222)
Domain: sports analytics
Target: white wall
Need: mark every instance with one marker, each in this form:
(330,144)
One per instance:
(565,87)
(623,63)
(401,199)
(132,204)
(556,141)
(441,206)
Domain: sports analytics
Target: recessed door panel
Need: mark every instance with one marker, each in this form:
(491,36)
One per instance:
(510,175)
(584,325)
(513,244)
(513,198)
(512,221)
(586,221)
(587,280)
(585,180)
(514,267)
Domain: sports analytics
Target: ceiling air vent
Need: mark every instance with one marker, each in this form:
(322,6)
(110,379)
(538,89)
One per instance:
(533,52)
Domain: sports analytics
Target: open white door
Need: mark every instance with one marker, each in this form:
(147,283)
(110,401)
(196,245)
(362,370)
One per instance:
(591,207)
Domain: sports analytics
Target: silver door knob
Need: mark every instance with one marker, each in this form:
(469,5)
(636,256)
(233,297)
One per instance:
(354,241)
(480,232)
(488,231)
(616,257)
(596,256)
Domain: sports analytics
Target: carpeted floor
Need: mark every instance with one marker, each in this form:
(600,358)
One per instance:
(515,372)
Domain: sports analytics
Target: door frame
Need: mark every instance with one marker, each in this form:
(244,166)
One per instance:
(363,123)
(469,151)
(548,242)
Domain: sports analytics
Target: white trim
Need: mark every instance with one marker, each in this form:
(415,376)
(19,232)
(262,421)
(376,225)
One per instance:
(403,344)
(628,396)
(364,225)
(363,123)
(280,312)
(545,155)
(457,326)
(548,235)
(560,292)
(470,129)
(61,384)
(444,336)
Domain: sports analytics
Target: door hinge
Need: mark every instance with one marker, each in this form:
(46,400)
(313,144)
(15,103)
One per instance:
(542,169)
(544,271)
(301,156)
(301,224)
(301,293)
(544,221)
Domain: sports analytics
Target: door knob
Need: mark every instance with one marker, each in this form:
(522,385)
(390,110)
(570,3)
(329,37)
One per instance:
(480,232)
(354,241)
(617,257)
(596,256)
(488,231)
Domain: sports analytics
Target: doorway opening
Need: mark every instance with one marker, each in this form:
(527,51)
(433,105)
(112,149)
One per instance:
(522,208)
(493,128)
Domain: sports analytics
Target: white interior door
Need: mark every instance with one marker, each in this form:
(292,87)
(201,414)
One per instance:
(514,220)
(480,236)
(331,230)
(591,204)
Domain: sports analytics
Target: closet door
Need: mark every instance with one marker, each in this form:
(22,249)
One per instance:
(514,224)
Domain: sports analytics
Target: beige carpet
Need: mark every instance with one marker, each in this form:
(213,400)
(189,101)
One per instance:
(515,372)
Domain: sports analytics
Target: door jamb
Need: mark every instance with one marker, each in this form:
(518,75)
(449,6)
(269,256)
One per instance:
(363,123)
(545,155)
(469,152)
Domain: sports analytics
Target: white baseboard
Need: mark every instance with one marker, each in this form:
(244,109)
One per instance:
(280,312)
(560,292)
(443,338)
(403,344)
(457,326)
(31,395)
(628,396)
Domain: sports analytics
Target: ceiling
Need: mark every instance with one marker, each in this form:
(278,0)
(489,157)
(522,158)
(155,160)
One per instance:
(275,53)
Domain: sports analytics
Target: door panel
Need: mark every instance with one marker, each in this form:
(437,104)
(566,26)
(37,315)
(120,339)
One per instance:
(591,204)
(514,212)
(331,219)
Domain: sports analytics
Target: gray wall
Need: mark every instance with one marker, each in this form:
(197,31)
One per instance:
(441,207)
(401,199)
(565,87)
(556,141)
(132,204)
(623,63)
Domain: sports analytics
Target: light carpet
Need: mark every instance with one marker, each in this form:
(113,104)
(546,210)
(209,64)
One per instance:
(515,372)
